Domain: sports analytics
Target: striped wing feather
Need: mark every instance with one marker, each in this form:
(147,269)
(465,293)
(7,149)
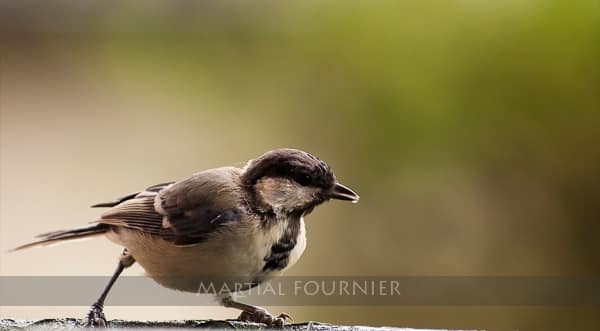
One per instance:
(190,210)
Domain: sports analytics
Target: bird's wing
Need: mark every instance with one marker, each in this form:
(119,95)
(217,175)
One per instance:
(199,205)
(148,191)
(186,212)
(136,213)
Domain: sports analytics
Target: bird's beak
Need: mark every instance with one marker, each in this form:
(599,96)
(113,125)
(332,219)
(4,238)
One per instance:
(341,192)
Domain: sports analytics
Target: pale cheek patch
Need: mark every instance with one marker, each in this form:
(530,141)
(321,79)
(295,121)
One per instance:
(283,193)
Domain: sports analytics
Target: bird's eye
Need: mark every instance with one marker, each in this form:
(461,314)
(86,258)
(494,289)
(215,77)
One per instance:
(304,180)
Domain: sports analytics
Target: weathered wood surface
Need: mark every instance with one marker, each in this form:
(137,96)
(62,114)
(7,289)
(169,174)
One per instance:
(74,324)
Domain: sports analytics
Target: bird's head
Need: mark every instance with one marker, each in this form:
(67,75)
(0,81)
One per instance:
(286,181)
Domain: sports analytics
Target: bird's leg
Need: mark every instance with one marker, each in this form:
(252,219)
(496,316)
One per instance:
(255,314)
(96,318)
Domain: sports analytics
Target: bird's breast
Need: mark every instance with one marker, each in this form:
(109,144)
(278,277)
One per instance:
(248,252)
(286,246)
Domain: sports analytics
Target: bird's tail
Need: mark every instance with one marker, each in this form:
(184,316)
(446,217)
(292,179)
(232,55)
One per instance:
(63,235)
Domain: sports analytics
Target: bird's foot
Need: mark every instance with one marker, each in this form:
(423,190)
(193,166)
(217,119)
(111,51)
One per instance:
(261,315)
(95,318)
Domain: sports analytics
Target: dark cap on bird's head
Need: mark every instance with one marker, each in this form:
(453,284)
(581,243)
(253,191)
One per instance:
(294,179)
(304,168)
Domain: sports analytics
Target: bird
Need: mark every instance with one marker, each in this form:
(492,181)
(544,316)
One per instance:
(245,223)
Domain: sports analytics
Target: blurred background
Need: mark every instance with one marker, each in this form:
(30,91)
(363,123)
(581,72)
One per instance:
(469,128)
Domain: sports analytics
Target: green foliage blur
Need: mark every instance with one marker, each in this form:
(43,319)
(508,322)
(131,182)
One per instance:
(469,128)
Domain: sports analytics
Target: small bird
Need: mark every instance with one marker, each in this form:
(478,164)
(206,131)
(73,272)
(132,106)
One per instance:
(244,223)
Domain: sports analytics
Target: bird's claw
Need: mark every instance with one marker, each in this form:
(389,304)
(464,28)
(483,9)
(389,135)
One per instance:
(281,319)
(95,318)
(260,315)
